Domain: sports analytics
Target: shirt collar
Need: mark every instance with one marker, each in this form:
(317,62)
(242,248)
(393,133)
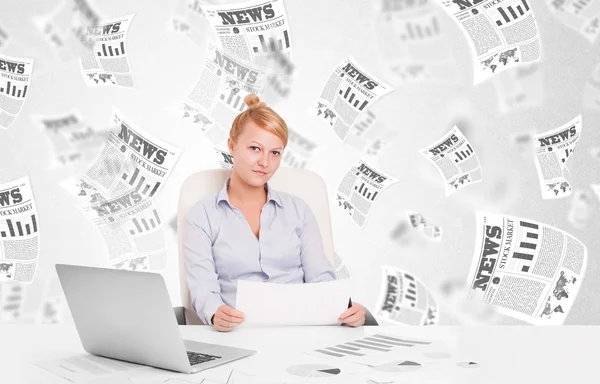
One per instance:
(271,194)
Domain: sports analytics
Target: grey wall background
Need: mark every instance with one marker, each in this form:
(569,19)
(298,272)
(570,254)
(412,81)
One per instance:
(166,65)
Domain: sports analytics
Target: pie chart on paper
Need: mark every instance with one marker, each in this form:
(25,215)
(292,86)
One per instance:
(313,370)
(398,366)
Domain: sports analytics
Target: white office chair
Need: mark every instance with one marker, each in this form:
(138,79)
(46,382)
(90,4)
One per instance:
(300,182)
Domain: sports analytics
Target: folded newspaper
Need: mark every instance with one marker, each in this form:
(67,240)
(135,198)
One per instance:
(552,149)
(404,299)
(455,160)
(250,31)
(348,91)
(19,232)
(526,269)
(106,62)
(218,96)
(503,34)
(15,79)
(358,190)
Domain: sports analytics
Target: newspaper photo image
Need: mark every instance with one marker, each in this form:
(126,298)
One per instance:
(19,232)
(348,91)
(15,79)
(551,150)
(455,160)
(526,269)
(502,33)
(298,150)
(106,63)
(359,189)
(249,31)
(218,96)
(404,299)
(131,160)
(71,138)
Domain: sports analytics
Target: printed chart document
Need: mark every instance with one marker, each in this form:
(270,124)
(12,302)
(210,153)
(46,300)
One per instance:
(292,304)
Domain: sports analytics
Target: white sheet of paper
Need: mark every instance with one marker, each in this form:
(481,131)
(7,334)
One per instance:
(86,367)
(292,304)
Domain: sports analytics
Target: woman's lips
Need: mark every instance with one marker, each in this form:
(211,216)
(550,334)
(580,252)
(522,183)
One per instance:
(260,173)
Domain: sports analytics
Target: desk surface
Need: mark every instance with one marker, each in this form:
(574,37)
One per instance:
(520,354)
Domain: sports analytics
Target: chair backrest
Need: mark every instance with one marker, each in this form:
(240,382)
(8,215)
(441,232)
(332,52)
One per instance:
(299,182)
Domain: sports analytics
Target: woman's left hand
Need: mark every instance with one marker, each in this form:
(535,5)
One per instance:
(353,316)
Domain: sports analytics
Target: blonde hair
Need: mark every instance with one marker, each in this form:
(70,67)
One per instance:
(260,114)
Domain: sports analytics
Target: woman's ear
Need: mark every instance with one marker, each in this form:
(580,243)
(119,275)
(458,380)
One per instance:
(230,145)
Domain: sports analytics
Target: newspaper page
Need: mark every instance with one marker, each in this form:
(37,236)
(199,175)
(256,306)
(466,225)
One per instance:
(404,299)
(4,38)
(131,160)
(72,139)
(188,19)
(536,278)
(106,64)
(19,232)
(427,230)
(249,31)
(455,160)
(65,27)
(412,43)
(580,210)
(132,230)
(552,149)
(341,269)
(346,94)
(15,78)
(358,190)
(520,88)
(225,158)
(299,150)
(503,33)
(218,96)
(582,16)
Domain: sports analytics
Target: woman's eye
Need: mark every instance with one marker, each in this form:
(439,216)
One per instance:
(254,147)
(277,153)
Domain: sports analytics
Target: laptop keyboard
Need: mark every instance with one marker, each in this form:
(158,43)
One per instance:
(198,358)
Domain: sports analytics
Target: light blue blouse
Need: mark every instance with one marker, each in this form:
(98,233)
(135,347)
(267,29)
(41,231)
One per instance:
(219,248)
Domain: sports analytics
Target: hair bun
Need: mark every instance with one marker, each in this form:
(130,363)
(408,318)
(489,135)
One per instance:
(253,102)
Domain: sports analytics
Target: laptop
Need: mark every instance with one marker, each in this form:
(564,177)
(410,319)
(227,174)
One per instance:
(128,316)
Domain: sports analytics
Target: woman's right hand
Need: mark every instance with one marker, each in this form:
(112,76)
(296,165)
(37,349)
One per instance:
(227,318)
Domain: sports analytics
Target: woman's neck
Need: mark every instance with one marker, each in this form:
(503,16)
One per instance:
(247,195)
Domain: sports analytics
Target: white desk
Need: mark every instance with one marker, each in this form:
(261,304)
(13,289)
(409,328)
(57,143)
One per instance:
(524,354)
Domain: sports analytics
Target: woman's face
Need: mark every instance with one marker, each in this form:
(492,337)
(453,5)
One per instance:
(256,155)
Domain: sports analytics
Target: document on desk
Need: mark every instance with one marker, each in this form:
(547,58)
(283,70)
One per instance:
(292,304)
(85,368)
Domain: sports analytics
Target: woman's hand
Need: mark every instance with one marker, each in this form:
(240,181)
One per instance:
(227,318)
(353,316)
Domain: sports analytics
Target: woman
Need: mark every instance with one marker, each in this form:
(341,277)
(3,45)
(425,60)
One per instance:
(249,231)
